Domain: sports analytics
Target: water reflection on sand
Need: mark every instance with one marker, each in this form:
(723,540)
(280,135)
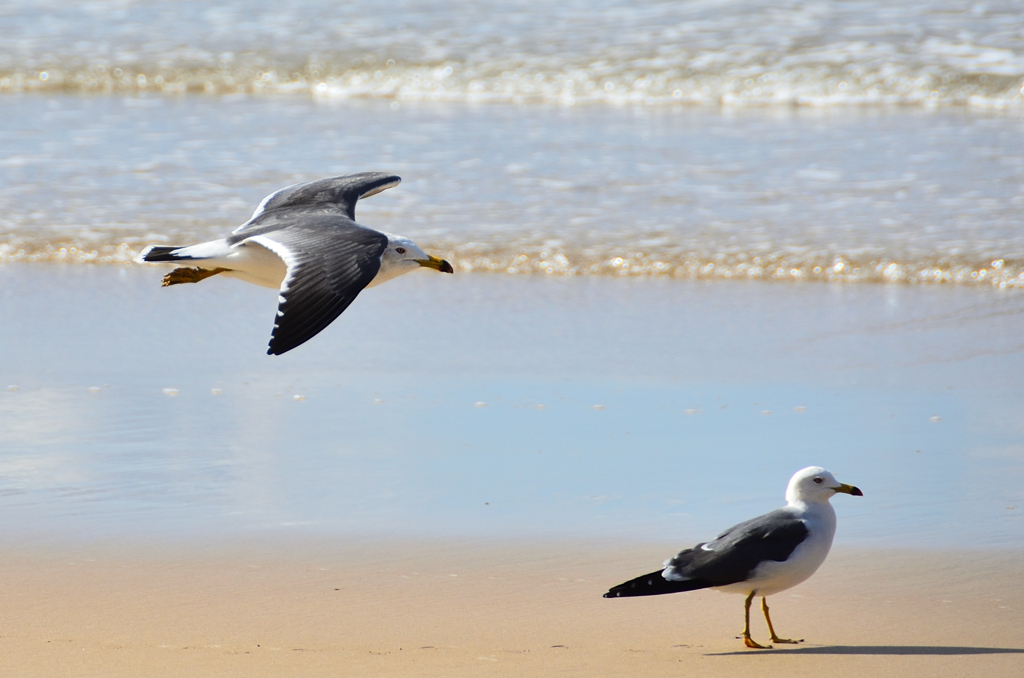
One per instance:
(508,407)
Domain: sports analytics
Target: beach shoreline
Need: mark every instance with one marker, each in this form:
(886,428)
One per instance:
(320,607)
(154,516)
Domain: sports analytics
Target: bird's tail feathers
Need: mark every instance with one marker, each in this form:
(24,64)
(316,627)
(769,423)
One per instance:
(213,249)
(654,584)
(158,253)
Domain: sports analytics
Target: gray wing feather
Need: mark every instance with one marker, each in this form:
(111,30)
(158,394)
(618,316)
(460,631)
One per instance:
(335,194)
(330,261)
(737,552)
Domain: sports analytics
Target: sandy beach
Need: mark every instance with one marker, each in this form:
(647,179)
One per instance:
(252,533)
(472,608)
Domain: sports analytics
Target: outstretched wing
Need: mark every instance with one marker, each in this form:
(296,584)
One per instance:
(330,261)
(332,194)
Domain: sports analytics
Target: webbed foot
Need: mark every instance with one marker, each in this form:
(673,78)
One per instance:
(750,642)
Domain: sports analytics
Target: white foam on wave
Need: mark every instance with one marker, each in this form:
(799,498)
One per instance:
(620,259)
(740,53)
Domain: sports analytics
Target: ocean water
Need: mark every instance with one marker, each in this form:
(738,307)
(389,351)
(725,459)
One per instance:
(780,194)
(765,140)
(738,52)
(697,246)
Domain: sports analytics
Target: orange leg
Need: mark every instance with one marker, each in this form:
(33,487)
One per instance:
(775,638)
(747,640)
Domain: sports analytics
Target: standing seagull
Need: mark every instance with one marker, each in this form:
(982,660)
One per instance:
(304,240)
(762,556)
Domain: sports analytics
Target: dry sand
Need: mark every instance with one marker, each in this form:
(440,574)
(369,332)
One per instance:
(471,609)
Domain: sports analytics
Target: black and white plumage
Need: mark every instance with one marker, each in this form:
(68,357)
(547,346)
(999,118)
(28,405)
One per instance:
(304,240)
(761,556)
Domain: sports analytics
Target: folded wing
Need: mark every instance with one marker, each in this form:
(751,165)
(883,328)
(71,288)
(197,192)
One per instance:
(729,559)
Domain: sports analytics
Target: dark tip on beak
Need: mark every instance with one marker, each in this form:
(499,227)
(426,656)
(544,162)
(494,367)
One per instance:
(849,489)
(436,263)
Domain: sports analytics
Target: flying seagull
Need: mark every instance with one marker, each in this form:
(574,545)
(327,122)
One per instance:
(762,556)
(304,240)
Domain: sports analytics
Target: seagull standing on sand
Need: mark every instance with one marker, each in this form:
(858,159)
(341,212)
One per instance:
(762,556)
(304,240)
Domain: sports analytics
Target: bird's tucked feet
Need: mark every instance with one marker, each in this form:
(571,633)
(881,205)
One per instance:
(750,642)
(190,275)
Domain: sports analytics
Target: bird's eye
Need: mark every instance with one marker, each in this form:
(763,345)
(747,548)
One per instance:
(400,250)
(818,480)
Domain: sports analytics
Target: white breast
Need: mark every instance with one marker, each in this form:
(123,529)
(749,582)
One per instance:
(254,263)
(771,577)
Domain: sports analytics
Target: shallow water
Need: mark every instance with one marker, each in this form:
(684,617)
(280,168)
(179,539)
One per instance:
(506,407)
(897,196)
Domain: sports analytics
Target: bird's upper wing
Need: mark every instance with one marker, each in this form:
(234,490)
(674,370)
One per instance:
(330,261)
(332,194)
(734,555)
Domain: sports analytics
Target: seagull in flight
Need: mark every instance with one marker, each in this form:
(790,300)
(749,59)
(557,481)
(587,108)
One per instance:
(759,557)
(304,241)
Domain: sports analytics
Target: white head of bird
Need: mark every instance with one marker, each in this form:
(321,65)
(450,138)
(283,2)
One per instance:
(814,485)
(403,255)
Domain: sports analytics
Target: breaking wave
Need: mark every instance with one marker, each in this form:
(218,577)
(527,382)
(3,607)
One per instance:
(740,53)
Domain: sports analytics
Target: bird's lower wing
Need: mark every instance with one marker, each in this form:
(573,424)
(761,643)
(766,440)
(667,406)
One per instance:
(327,269)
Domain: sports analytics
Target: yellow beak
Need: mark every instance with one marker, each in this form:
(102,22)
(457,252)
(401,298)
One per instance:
(436,263)
(850,489)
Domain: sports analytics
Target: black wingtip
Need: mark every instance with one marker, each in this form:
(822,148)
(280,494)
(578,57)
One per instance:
(654,584)
(275,346)
(273,349)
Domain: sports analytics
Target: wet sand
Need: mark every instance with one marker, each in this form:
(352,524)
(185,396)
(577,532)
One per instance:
(475,608)
(261,530)
(471,406)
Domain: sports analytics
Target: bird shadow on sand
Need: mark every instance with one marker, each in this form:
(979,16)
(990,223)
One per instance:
(889,650)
